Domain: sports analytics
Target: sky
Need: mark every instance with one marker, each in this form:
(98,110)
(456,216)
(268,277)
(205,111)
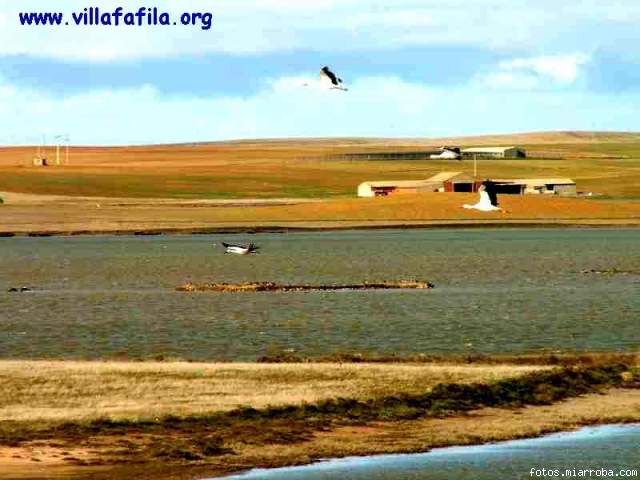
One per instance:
(414,68)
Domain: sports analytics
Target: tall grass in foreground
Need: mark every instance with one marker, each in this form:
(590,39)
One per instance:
(250,434)
(547,359)
(81,391)
(537,388)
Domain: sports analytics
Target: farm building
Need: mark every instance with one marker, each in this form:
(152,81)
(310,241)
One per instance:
(391,155)
(442,182)
(39,161)
(494,152)
(452,182)
(546,186)
(388,187)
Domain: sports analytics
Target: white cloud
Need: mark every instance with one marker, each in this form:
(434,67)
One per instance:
(536,72)
(518,81)
(374,106)
(258,26)
(562,69)
(145,115)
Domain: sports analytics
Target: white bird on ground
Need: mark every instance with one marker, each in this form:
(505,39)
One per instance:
(488,199)
(240,249)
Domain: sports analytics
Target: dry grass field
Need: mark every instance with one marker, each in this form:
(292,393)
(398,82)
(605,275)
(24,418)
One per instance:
(116,215)
(607,163)
(38,461)
(72,391)
(53,432)
(299,183)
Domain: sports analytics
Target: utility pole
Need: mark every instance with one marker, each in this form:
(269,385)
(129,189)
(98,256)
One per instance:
(67,139)
(475,170)
(62,138)
(57,138)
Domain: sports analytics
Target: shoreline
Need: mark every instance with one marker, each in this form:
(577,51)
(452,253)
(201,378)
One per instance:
(334,226)
(339,461)
(215,472)
(237,467)
(236,441)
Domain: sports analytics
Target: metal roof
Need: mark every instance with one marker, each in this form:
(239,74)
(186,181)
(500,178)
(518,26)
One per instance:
(489,149)
(436,179)
(444,176)
(539,181)
(397,183)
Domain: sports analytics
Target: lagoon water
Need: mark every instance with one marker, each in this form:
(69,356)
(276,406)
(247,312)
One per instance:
(615,449)
(497,291)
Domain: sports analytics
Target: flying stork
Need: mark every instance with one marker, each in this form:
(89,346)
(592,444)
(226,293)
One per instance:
(330,80)
(488,198)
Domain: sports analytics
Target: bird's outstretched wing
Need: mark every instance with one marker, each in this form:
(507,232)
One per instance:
(493,196)
(327,74)
(492,191)
(330,80)
(232,245)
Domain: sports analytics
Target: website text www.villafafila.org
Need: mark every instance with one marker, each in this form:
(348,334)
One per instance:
(96,16)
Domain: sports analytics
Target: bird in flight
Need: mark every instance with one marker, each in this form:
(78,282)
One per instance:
(488,198)
(330,80)
(240,249)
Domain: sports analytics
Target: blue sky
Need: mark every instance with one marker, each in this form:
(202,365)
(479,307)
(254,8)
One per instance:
(414,68)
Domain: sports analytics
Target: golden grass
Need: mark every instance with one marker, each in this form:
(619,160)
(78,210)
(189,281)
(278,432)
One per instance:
(429,208)
(486,425)
(605,163)
(435,206)
(51,459)
(186,178)
(66,391)
(480,426)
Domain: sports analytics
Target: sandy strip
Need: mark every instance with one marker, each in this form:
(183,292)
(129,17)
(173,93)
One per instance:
(39,462)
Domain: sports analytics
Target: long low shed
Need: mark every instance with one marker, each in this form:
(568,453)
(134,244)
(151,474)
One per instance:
(384,188)
(442,182)
(391,155)
(494,152)
(547,186)
(462,182)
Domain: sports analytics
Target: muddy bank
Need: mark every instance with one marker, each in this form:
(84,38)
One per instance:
(206,446)
(330,226)
(274,287)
